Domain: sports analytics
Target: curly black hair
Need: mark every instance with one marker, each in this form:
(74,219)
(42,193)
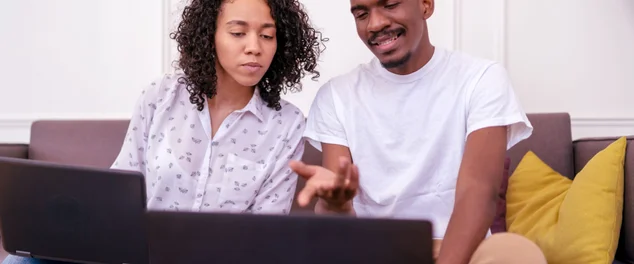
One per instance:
(298,49)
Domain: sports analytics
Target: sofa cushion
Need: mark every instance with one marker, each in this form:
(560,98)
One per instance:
(94,143)
(572,221)
(584,150)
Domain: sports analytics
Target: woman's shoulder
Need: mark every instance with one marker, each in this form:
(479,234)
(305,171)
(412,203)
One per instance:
(163,89)
(289,112)
(289,119)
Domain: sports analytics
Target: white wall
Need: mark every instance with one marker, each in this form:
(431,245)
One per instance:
(573,56)
(583,64)
(75,59)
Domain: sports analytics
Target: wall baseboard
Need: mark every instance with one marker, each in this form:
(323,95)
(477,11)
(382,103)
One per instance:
(17,129)
(602,127)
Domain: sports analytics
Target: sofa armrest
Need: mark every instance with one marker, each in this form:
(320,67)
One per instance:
(14,150)
(584,150)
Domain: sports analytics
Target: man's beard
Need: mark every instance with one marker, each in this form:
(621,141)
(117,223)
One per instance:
(397,63)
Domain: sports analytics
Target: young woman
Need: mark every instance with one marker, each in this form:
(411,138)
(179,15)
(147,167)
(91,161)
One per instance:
(217,137)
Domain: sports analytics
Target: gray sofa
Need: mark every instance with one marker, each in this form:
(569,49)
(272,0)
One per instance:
(96,143)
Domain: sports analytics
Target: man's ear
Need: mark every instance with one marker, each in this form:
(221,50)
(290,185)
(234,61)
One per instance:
(427,8)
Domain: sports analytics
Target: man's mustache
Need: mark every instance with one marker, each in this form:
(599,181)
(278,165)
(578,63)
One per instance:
(384,32)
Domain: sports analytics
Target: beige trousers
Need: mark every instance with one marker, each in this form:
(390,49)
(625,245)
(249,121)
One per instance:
(504,248)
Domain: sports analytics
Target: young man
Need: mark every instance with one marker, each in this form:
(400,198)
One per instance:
(427,130)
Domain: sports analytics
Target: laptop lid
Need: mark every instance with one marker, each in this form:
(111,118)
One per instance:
(69,213)
(185,237)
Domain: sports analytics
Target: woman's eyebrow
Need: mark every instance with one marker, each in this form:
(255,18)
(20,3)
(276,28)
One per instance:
(244,23)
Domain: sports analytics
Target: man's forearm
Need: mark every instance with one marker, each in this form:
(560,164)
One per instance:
(472,217)
(323,208)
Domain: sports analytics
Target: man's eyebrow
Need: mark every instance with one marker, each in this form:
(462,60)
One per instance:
(358,8)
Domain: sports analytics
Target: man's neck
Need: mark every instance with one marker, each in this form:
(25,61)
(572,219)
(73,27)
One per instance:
(418,60)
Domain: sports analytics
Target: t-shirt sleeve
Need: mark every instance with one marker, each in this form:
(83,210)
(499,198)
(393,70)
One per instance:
(323,124)
(494,103)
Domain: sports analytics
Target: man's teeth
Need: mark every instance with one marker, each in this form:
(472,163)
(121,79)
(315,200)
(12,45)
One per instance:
(387,41)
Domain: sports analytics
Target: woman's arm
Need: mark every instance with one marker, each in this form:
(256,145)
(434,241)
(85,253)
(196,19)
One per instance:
(277,192)
(133,151)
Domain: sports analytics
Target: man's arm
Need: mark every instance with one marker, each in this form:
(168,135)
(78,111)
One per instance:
(495,122)
(331,160)
(479,179)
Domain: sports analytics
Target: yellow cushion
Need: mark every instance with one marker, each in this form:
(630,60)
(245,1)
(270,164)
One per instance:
(571,221)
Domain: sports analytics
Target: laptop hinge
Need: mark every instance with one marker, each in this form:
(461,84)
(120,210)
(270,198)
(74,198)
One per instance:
(23,253)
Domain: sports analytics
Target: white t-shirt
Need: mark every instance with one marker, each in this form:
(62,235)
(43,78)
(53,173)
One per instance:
(407,133)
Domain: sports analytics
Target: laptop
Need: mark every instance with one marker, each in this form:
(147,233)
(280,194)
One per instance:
(187,237)
(74,214)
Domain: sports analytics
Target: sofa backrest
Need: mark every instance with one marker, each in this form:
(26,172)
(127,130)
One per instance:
(551,141)
(91,143)
(19,151)
(96,143)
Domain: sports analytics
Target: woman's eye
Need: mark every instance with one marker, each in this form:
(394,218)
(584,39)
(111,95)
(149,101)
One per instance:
(237,34)
(267,37)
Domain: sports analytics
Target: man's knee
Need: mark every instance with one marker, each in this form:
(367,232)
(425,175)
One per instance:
(508,248)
